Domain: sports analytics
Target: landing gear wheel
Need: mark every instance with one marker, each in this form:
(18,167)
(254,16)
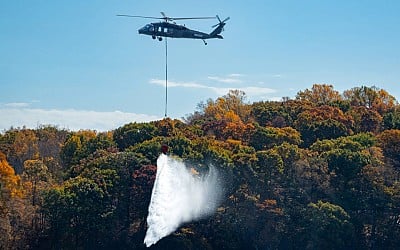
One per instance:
(154,37)
(160,39)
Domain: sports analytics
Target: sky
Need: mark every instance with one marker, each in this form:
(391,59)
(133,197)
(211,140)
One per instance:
(76,65)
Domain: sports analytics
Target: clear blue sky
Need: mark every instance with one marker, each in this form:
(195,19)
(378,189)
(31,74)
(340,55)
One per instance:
(76,65)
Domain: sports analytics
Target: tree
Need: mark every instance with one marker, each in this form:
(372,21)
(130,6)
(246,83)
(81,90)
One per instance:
(268,162)
(105,198)
(50,140)
(9,181)
(350,160)
(313,177)
(371,98)
(270,114)
(132,134)
(22,146)
(233,102)
(81,144)
(328,226)
(346,155)
(79,212)
(324,122)
(278,114)
(227,117)
(74,148)
(365,120)
(9,189)
(391,120)
(169,127)
(34,174)
(389,141)
(150,149)
(320,94)
(268,137)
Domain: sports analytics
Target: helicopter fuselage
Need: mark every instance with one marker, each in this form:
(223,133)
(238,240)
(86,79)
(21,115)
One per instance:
(165,29)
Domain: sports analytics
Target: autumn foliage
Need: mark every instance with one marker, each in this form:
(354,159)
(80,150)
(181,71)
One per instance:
(317,172)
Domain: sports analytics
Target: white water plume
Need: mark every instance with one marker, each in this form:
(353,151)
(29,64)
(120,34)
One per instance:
(179,195)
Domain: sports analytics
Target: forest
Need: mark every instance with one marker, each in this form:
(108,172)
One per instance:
(318,171)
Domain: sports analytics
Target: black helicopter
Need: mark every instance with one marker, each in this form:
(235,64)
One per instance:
(168,28)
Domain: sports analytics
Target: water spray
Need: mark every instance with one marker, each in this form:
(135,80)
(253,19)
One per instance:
(178,197)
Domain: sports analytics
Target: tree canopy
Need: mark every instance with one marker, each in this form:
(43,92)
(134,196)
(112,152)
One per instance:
(317,172)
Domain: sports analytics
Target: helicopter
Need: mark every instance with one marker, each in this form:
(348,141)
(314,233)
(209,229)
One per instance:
(168,28)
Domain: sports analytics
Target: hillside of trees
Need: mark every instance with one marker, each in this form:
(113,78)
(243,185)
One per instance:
(320,171)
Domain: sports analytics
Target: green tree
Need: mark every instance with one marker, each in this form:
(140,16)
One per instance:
(75,147)
(269,162)
(346,156)
(81,144)
(125,198)
(133,133)
(79,212)
(328,226)
(278,114)
(268,137)
(391,120)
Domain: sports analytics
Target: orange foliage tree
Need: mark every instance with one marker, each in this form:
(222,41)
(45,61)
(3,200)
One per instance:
(371,98)
(324,122)
(389,141)
(320,94)
(9,188)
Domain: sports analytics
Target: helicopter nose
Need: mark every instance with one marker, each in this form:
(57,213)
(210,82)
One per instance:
(141,31)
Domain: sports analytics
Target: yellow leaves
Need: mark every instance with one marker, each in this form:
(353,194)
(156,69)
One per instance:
(87,134)
(385,102)
(375,154)
(230,107)
(9,182)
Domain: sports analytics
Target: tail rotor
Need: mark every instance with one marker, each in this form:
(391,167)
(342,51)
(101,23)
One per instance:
(221,23)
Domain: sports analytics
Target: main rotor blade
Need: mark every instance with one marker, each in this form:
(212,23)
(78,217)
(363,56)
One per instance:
(166,18)
(188,18)
(149,17)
